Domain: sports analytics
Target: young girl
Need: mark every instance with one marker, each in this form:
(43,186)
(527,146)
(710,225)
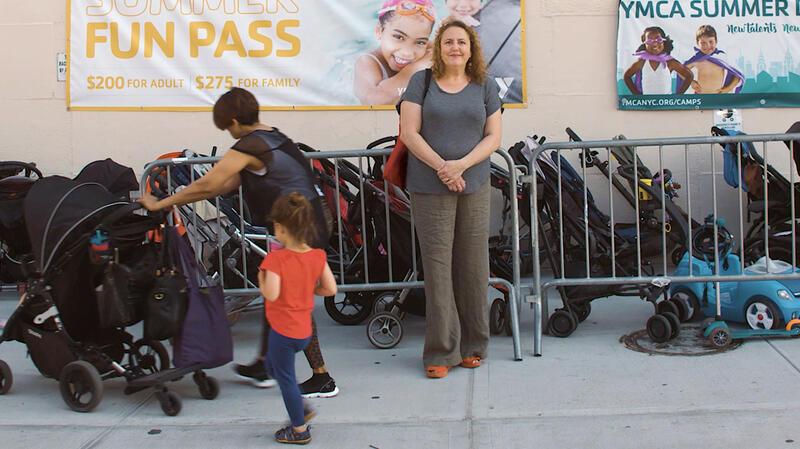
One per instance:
(464,10)
(403,30)
(288,279)
(651,74)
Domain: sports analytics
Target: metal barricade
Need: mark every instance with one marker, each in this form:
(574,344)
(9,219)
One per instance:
(224,239)
(585,247)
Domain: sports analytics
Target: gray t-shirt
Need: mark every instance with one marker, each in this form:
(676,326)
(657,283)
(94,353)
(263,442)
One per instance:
(452,124)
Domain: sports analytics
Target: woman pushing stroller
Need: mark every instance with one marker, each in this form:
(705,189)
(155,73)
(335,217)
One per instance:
(267,164)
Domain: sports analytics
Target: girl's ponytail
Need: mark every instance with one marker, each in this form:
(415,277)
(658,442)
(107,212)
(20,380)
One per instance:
(295,213)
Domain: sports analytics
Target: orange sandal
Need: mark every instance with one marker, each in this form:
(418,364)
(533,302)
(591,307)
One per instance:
(436,371)
(471,362)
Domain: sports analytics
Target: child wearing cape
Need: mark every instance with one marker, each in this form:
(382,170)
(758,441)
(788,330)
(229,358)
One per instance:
(651,74)
(714,74)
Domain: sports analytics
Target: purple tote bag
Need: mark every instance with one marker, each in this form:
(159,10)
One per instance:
(205,337)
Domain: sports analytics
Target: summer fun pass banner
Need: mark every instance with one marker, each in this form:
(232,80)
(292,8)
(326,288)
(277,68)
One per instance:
(708,54)
(292,54)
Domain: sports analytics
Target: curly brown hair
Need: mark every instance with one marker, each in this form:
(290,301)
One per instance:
(476,66)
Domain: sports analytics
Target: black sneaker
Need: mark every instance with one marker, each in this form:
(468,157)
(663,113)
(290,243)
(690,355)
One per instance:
(319,386)
(255,373)
(288,435)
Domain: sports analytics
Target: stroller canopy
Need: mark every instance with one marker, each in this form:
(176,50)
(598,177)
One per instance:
(58,208)
(118,179)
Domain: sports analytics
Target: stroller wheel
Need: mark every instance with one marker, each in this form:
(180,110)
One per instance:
(170,402)
(659,328)
(208,386)
(384,330)
(80,385)
(6,378)
(151,356)
(383,302)
(497,316)
(677,254)
(690,304)
(668,306)
(351,308)
(562,323)
(682,310)
(674,322)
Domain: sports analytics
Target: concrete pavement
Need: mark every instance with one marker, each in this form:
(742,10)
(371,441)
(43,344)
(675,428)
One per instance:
(586,391)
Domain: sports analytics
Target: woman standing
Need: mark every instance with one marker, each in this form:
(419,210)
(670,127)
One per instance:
(267,164)
(451,131)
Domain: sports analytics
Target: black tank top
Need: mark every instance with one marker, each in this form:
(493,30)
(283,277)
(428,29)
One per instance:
(286,171)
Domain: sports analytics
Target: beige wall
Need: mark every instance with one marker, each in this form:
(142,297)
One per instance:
(570,68)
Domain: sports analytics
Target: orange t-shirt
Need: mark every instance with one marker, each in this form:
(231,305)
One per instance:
(290,314)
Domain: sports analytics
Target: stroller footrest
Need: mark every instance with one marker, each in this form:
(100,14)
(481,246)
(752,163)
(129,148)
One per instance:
(167,375)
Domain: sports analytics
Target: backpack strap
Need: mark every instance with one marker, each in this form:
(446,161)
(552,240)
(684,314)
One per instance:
(428,77)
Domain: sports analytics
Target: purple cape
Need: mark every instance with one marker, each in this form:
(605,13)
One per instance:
(730,73)
(662,58)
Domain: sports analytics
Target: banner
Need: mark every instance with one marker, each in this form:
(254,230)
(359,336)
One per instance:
(292,54)
(708,54)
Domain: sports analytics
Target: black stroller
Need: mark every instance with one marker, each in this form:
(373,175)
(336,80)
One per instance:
(624,182)
(384,329)
(775,204)
(16,179)
(603,241)
(359,250)
(64,317)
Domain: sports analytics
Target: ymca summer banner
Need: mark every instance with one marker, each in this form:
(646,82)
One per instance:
(292,54)
(708,54)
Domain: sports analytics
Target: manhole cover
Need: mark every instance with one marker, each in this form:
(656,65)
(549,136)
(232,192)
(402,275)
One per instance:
(689,342)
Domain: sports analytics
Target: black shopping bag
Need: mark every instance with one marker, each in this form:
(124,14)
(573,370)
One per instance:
(166,302)
(113,308)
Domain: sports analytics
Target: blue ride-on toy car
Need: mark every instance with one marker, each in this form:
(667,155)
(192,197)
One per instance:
(766,307)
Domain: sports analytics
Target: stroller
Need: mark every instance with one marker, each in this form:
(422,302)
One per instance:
(233,247)
(16,179)
(229,247)
(359,250)
(776,203)
(596,239)
(64,317)
(628,162)
(384,328)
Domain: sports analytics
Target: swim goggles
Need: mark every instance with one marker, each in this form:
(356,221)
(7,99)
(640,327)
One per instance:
(409,8)
(655,41)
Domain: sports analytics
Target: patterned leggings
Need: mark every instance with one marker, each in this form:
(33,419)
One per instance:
(312,351)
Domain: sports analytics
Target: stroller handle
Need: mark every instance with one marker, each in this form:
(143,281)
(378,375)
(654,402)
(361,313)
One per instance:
(29,167)
(382,141)
(120,212)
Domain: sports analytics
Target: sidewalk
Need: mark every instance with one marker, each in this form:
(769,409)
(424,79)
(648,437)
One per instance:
(587,391)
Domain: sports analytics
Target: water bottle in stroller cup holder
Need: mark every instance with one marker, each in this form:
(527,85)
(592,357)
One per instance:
(100,249)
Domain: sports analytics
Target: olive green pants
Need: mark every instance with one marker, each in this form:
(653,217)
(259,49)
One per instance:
(453,232)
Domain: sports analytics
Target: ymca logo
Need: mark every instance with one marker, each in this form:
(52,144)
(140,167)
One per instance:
(504,84)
